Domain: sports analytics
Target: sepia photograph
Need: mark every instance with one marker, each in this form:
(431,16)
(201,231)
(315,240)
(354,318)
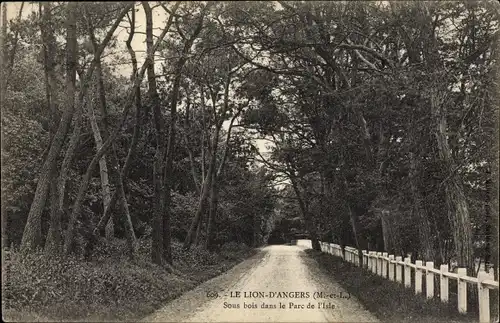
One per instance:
(250,161)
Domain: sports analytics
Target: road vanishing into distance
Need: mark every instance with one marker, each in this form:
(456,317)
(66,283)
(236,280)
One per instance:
(279,284)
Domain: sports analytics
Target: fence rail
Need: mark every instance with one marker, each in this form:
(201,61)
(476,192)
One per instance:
(397,269)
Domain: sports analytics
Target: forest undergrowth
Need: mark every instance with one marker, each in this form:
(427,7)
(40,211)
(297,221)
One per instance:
(110,286)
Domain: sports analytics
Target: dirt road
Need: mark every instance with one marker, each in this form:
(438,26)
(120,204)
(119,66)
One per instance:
(279,284)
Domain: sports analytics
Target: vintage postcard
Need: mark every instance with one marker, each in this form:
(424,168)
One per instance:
(250,161)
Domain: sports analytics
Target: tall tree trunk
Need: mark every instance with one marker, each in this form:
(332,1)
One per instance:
(458,210)
(163,161)
(159,125)
(308,220)
(127,221)
(212,212)
(33,230)
(103,168)
(199,224)
(205,191)
(187,146)
(138,104)
(388,232)
(201,209)
(53,242)
(66,163)
(424,227)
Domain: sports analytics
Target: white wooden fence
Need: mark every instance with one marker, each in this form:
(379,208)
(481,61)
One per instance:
(399,270)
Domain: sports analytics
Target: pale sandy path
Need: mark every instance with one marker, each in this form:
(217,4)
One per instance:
(275,269)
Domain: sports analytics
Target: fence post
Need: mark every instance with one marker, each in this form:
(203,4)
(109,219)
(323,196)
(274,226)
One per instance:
(462,290)
(443,283)
(391,267)
(364,263)
(429,279)
(407,272)
(369,260)
(374,261)
(398,269)
(483,296)
(418,277)
(384,264)
(380,261)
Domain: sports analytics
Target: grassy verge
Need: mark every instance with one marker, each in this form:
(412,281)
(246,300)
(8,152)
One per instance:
(389,301)
(110,288)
